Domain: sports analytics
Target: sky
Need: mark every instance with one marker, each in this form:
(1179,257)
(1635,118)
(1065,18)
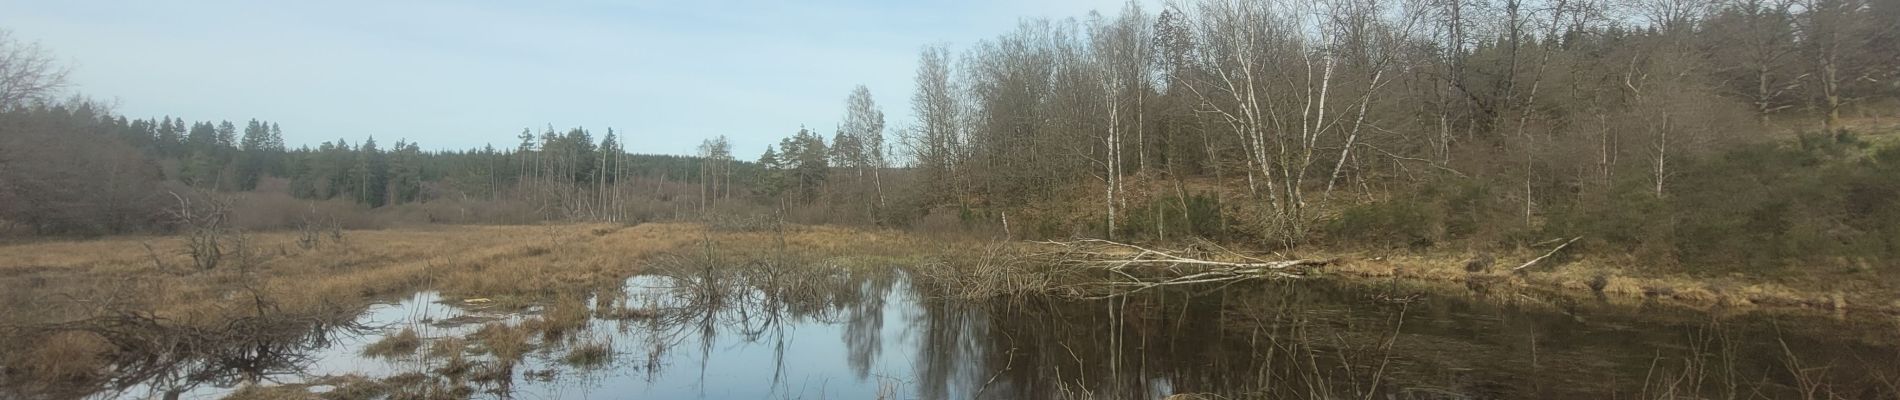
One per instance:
(461,74)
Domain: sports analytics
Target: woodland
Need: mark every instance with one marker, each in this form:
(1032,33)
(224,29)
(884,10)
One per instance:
(1703,136)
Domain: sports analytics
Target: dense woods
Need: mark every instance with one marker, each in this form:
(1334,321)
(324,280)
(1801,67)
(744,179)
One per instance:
(1731,133)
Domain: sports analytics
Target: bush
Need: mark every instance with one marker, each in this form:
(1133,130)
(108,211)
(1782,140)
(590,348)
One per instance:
(1823,200)
(1172,217)
(1392,223)
(1438,212)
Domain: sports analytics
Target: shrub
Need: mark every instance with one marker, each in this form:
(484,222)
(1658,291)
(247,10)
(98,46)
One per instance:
(1391,223)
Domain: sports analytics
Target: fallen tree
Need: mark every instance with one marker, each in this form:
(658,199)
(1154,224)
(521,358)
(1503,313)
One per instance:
(1132,268)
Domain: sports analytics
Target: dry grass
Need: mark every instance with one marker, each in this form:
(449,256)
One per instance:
(51,283)
(970,271)
(566,315)
(1617,281)
(589,353)
(506,342)
(478,261)
(447,347)
(64,357)
(624,313)
(400,344)
(56,283)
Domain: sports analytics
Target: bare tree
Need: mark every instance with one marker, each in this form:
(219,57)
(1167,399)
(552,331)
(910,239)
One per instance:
(1234,41)
(1835,35)
(1763,33)
(209,236)
(934,142)
(863,130)
(28,73)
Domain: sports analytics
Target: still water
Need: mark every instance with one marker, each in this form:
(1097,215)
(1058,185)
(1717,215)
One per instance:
(841,333)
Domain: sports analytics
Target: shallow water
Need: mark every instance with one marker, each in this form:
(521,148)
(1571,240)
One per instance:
(817,332)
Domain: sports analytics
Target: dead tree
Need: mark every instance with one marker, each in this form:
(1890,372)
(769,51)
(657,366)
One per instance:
(209,238)
(1131,268)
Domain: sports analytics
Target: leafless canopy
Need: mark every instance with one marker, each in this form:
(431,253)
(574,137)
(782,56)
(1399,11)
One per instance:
(28,73)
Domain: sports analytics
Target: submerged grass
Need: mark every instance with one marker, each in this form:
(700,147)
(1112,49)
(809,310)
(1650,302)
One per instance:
(589,353)
(401,344)
(506,342)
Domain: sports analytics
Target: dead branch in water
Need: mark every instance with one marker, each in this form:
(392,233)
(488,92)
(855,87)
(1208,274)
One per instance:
(1136,268)
(1115,256)
(146,349)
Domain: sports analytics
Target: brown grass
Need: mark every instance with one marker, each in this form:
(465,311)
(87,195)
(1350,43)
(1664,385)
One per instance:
(1621,281)
(506,342)
(624,313)
(447,347)
(56,283)
(50,283)
(477,261)
(400,344)
(64,357)
(589,353)
(567,314)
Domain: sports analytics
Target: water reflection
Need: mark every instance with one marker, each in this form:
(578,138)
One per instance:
(707,328)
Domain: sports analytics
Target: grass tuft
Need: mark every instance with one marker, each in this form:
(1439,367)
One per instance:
(589,353)
(507,343)
(400,344)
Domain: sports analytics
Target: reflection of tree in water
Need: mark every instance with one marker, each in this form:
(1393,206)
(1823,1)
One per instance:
(953,348)
(699,298)
(1317,340)
(167,358)
(1303,339)
(864,321)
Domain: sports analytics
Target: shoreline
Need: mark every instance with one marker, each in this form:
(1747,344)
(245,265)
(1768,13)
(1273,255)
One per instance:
(1588,278)
(1582,277)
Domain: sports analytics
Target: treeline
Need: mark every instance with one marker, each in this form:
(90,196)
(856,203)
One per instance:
(71,167)
(1672,129)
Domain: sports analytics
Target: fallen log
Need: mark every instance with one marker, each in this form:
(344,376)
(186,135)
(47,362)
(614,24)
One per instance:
(1096,251)
(1141,268)
(1552,252)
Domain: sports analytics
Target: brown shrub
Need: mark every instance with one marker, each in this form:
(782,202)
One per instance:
(266,211)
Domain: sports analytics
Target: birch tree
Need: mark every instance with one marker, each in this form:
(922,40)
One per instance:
(861,141)
(934,141)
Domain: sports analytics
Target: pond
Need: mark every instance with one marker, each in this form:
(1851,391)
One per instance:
(813,332)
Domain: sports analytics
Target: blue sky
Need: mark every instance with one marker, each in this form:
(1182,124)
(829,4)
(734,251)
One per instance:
(459,74)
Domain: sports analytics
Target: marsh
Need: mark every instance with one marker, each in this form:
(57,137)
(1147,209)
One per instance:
(777,315)
(982,199)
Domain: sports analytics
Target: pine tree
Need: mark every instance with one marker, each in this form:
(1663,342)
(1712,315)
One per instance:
(373,170)
(226,135)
